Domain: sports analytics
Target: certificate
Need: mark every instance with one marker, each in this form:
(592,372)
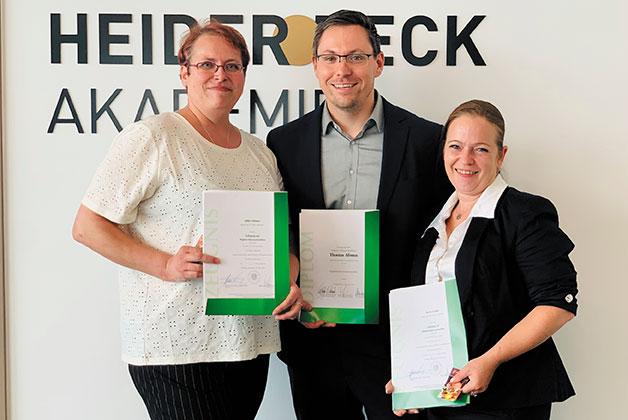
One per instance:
(428,339)
(248,231)
(339,265)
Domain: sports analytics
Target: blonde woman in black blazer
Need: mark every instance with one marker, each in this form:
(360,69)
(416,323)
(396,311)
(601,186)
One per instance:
(516,283)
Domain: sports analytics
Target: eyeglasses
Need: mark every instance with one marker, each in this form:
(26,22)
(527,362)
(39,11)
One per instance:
(356,59)
(209,67)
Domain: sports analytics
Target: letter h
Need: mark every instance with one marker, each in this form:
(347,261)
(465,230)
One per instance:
(56,38)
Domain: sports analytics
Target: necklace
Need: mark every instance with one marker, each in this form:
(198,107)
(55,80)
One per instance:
(458,211)
(210,138)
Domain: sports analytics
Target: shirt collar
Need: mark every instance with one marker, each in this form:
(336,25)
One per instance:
(484,207)
(376,119)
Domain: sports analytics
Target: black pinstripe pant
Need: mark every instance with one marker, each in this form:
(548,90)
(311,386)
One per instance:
(202,391)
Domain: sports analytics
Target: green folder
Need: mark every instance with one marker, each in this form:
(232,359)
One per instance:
(399,319)
(334,232)
(248,205)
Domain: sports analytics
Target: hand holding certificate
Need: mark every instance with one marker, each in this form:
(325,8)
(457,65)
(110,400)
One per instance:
(340,265)
(428,339)
(248,231)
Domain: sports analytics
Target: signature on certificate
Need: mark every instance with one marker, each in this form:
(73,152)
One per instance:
(336,290)
(415,374)
(236,280)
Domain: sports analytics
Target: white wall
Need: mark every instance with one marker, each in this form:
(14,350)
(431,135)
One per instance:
(555,69)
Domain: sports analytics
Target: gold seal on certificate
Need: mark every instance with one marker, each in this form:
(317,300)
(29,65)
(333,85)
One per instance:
(339,265)
(248,231)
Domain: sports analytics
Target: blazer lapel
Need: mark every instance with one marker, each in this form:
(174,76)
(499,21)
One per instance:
(422,255)
(395,139)
(465,261)
(311,161)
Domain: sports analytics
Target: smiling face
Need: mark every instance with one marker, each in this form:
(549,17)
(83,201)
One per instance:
(218,91)
(347,88)
(471,155)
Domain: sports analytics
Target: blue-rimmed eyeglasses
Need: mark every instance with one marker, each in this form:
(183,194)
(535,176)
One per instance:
(355,59)
(210,67)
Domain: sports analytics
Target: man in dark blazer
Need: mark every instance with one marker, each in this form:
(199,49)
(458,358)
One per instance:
(391,156)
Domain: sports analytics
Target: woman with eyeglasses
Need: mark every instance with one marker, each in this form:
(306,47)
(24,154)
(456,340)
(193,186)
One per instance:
(143,212)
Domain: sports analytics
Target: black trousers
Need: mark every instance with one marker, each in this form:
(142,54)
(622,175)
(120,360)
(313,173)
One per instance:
(540,412)
(342,386)
(202,391)
(339,372)
(322,392)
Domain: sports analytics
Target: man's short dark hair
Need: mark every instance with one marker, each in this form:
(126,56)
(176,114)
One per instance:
(345,18)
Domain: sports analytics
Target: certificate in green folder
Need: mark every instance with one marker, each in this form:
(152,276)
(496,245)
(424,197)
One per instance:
(248,231)
(339,265)
(428,339)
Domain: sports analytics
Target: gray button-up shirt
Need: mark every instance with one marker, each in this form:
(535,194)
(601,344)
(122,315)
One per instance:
(351,167)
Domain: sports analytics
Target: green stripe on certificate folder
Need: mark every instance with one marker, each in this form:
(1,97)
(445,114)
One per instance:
(457,331)
(282,252)
(423,399)
(371,267)
(240,306)
(342,316)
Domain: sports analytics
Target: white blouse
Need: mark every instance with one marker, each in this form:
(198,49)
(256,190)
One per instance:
(442,262)
(151,183)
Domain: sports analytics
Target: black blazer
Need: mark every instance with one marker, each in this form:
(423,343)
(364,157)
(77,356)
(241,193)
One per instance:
(505,267)
(412,189)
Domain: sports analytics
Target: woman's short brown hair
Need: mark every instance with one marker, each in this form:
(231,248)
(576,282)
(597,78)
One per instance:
(212,27)
(483,109)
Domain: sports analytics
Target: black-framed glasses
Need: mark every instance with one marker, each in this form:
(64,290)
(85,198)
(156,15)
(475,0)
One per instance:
(355,59)
(211,67)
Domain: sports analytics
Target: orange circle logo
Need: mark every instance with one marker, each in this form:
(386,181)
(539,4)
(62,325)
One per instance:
(298,44)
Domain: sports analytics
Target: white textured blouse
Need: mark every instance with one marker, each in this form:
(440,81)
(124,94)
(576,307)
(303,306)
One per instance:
(150,183)
(442,261)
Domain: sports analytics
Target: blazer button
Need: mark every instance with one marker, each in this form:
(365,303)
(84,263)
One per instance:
(471,313)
